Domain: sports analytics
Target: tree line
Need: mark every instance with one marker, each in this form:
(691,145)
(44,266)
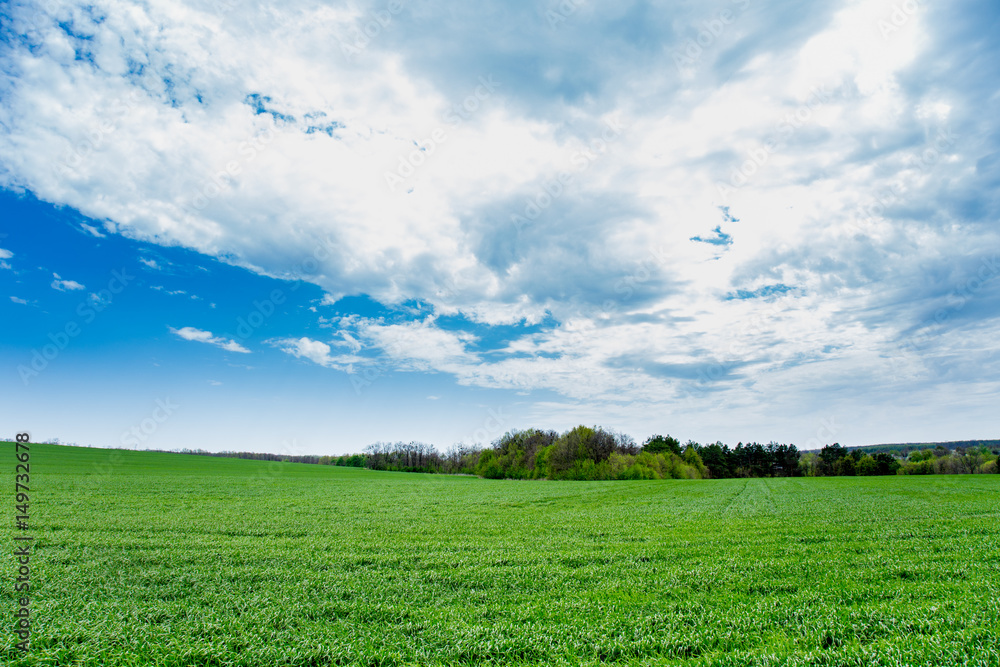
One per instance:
(595,453)
(353,460)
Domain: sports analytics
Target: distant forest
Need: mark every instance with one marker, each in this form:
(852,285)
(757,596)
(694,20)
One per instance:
(593,453)
(904,449)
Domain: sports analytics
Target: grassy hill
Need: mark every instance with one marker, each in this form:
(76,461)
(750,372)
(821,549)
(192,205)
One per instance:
(169,559)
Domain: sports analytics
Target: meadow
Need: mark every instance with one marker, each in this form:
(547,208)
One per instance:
(166,559)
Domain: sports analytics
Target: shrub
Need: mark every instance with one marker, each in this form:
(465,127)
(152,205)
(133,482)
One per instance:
(867,465)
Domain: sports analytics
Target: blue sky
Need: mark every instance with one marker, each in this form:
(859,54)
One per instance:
(305,227)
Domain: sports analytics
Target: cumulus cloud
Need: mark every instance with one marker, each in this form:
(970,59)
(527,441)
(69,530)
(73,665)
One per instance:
(317,352)
(557,181)
(65,285)
(190,333)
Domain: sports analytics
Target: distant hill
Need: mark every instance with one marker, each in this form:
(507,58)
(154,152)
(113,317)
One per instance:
(906,447)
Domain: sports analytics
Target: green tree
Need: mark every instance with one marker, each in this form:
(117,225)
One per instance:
(657,444)
(717,458)
(570,447)
(826,463)
(488,466)
(887,463)
(867,465)
(846,467)
(693,459)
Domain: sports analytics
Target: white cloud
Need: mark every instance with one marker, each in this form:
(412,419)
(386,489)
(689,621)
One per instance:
(806,120)
(17,300)
(5,254)
(317,352)
(151,263)
(93,231)
(161,288)
(190,333)
(65,285)
(419,345)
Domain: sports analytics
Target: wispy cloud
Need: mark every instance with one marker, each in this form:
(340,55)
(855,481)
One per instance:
(161,288)
(93,231)
(65,285)
(190,333)
(317,352)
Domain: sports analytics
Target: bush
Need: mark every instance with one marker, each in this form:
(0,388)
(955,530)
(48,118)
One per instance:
(887,463)
(488,466)
(846,467)
(541,465)
(638,471)
(867,465)
(692,459)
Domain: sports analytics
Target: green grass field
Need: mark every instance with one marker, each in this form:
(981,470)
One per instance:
(163,559)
